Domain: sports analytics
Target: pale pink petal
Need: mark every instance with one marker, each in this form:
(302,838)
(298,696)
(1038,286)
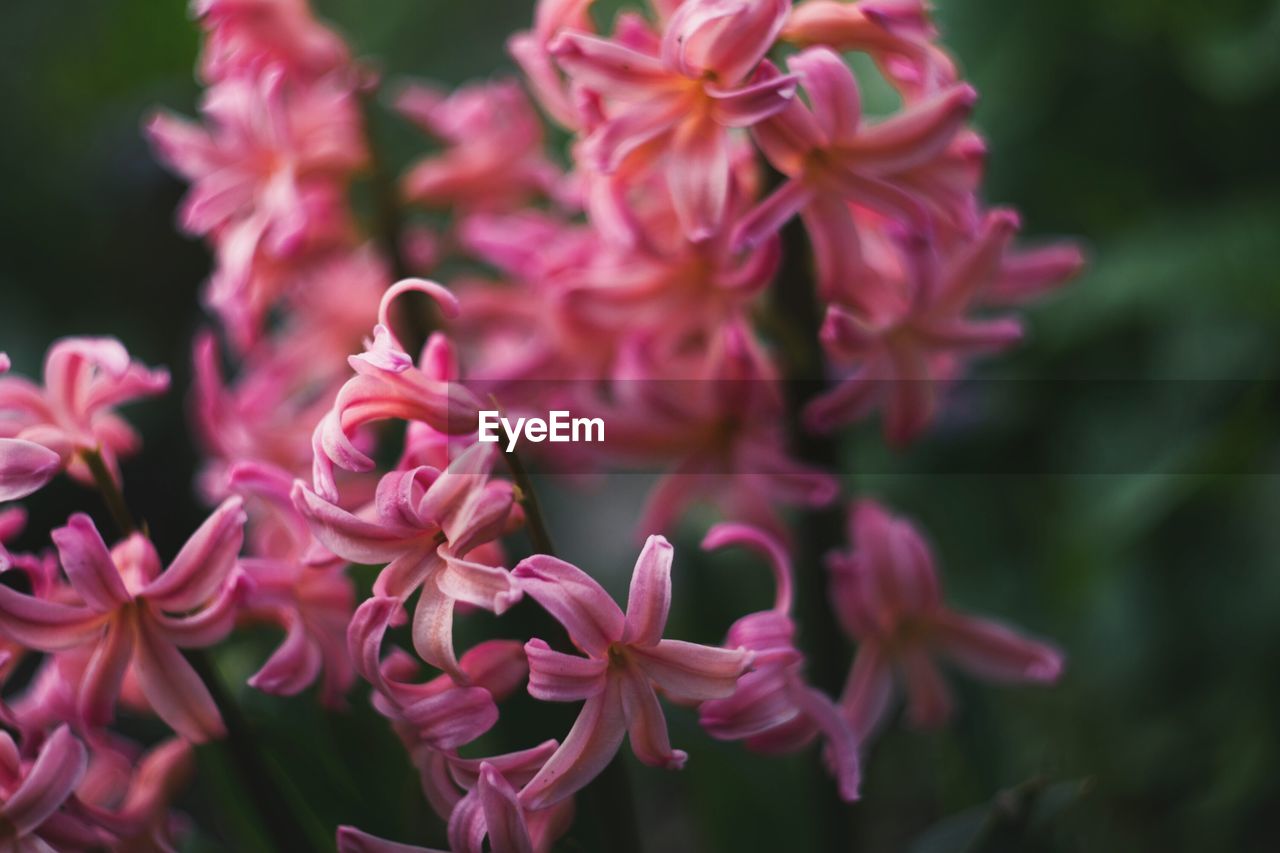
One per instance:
(558,677)
(407,572)
(748,105)
(991,650)
(58,769)
(484,586)
(610,68)
(690,671)
(212,623)
(204,562)
(574,598)
(346,535)
(767,218)
(88,564)
(650,596)
(589,747)
(25,467)
(916,135)
(698,176)
(832,90)
(352,840)
(292,666)
(172,687)
(646,723)
(453,718)
(433,631)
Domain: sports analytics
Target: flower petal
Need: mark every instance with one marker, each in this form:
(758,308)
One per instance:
(991,650)
(689,671)
(88,564)
(172,687)
(52,779)
(589,747)
(204,562)
(503,817)
(433,631)
(646,724)
(574,598)
(558,677)
(100,685)
(25,467)
(650,598)
(46,625)
(698,176)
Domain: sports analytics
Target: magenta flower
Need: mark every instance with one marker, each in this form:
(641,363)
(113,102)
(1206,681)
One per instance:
(34,794)
(493,156)
(920,339)
(425,523)
(831,157)
(626,658)
(773,709)
(84,380)
(887,598)
(126,615)
(679,101)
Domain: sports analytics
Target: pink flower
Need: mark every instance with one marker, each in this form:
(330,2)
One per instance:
(896,166)
(897,34)
(270,166)
(84,380)
(242,36)
(425,522)
(887,598)
(125,616)
(34,794)
(677,99)
(129,795)
(531,51)
(773,709)
(921,334)
(626,658)
(388,385)
(493,156)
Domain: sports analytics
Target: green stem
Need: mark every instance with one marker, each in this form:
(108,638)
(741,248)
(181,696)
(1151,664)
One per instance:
(818,531)
(112,495)
(539,534)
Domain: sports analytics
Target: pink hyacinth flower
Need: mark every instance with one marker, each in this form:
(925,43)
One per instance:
(626,658)
(389,385)
(920,339)
(84,380)
(831,156)
(774,710)
(531,51)
(886,595)
(24,467)
(244,36)
(425,523)
(126,615)
(130,795)
(33,793)
(681,102)
(493,158)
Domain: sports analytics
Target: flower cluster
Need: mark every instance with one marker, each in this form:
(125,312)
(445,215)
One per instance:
(647,280)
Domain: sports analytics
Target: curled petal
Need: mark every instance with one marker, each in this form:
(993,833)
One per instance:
(53,777)
(842,745)
(88,564)
(25,467)
(590,745)
(646,723)
(832,90)
(433,631)
(574,598)
(766,544)
(991,650)
(46,625)
(172,687)
(292,666)
(748,105)
(100,685)
(503,817)
(348,536)
(650,596)
(689,671)
(557,677)
(484,586)
(205,561)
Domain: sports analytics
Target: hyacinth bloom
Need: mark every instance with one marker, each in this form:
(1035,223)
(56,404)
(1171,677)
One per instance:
(133,614)
(425,523)
(84,380)
(248,35)
(897,34)
(887,597)
(493,157)
(130,796)
(270,167)
(832,157)
(387,385)
(24,468)
(680,100)
(33,794)
(920,338)
(773,710)
(626,658)
(531,51)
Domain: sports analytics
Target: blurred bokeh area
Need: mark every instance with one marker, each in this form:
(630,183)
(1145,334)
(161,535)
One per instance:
(1112,484)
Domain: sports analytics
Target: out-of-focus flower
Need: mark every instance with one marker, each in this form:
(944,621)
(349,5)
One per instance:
(886,595)
(676,99)
(626,658)
(24,468)
(130,795)
(243,36)
(34,795)
(921,333)
(531,51)
(773,709)
(84,380)
(125,613)
(493,157)
(831,157)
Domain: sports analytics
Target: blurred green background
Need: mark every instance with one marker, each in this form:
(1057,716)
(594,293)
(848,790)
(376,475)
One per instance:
(1118,493)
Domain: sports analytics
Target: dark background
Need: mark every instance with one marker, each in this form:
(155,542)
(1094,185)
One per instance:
(1117,492)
